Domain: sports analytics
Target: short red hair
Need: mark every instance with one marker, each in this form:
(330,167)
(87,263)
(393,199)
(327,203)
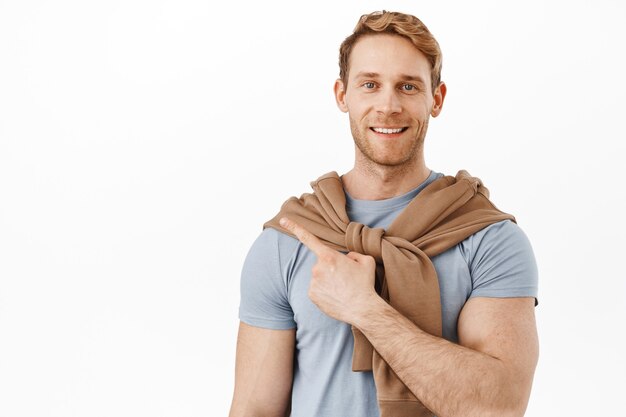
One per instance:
(394,23)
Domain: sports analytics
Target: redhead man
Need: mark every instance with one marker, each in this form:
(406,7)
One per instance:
(391,290)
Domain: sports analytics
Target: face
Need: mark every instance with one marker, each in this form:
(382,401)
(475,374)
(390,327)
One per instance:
(389,100)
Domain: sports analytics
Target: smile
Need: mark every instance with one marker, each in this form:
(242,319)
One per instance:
(388,131)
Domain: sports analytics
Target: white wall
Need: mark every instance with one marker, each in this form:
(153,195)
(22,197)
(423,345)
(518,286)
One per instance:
(143,144)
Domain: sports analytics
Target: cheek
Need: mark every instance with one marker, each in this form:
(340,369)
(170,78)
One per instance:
(421,111)
(360,113)
(428,106)
(358,107)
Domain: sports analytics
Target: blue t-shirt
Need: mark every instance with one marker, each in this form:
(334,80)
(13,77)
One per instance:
(497,261)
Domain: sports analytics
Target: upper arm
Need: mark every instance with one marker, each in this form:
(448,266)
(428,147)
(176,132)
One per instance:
(499,317)
(266,340)
(263,372)
(505,329)
(502,262)
(263,287)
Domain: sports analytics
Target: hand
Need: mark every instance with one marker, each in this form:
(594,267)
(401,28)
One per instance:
(342,286)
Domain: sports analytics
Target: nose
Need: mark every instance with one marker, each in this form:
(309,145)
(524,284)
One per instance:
(388,102)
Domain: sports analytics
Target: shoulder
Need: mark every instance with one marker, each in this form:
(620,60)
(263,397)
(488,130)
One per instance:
(498,239)
(271,250)
(264,287)
(272,242)
(501,261)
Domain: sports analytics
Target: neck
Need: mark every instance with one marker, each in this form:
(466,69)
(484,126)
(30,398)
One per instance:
(379,182)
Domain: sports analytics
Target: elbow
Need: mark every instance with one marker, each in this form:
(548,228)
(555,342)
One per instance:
(518,408)
(513,412)
(510,401)
(512,405)
(514,394)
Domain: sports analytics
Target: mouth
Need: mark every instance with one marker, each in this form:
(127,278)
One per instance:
(389,130)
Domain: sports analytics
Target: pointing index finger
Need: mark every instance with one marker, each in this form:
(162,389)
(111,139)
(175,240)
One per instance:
(307,238)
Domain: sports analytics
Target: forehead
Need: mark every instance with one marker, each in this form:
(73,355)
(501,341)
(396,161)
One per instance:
(387,55)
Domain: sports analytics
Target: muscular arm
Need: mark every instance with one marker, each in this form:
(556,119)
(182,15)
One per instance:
(489,374)
(263,372)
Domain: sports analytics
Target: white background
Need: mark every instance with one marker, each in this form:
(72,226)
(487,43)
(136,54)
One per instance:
(144,143)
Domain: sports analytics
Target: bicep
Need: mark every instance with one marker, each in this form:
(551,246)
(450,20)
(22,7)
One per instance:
(505,329)
(263,371)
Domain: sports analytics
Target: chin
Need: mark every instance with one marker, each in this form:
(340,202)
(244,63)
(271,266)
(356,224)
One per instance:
(393,163)
(389,160)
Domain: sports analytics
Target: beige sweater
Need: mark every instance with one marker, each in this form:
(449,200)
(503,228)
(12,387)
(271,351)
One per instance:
(443,214)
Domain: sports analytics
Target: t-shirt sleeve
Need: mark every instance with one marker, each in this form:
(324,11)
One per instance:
(503,263)
(264,300)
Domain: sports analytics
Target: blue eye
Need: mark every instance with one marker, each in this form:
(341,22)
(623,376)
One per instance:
(408,87)
(369,84)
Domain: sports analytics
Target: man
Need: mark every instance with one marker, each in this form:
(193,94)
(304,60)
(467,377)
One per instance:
(392,290)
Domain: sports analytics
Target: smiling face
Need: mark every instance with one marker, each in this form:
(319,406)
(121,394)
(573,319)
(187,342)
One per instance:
(389,100)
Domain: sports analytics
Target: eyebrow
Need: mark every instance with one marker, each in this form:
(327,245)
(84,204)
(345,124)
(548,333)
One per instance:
(414,78)
(404,77)
(367,75)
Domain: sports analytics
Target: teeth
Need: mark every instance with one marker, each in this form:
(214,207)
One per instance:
(387,131)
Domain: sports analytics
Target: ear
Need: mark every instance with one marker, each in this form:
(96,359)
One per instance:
(438,98)
(340,95)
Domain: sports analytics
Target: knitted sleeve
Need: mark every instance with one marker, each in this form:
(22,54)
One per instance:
(502,262)
(264,300)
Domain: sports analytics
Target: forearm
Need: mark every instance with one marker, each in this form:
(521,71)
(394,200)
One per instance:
(449,379)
